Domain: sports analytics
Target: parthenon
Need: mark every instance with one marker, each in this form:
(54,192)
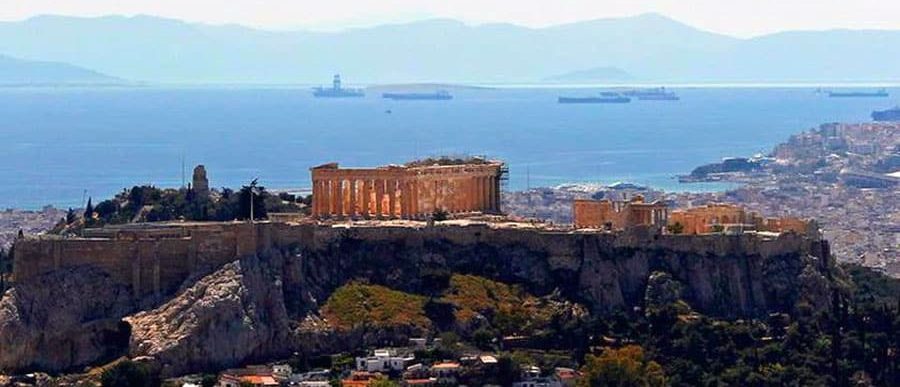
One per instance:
(411,191)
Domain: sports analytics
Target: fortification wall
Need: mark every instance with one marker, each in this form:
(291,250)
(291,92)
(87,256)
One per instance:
(732,274)
(149,265)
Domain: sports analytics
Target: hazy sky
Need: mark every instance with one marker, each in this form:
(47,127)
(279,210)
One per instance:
(733,17)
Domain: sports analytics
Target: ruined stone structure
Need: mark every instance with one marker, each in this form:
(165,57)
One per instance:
(200,183)
(406,192)
(706,219)
(729,217)
(619,215)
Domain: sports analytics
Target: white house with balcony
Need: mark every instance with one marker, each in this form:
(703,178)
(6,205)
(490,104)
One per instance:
(384,360)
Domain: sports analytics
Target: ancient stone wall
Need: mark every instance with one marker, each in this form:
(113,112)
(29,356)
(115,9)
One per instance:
(605,270)
(148,263)
(619,215)
(705,219)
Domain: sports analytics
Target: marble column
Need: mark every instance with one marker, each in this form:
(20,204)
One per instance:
(379,198)
(476,194)
(482,201)
(492,193)
(472,194)
(392,198)
(436,197)
(455,195)
(323,197)
(414,199)
(485,194)
(366,198)
(337,198)
(497,194)
(316,198)
(352,192)
(404,199)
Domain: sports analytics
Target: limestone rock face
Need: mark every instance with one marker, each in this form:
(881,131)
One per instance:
(662,290)
(63,320)
(230,316)
(265,305)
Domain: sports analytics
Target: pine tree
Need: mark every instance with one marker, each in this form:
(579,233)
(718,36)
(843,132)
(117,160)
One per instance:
(89,210)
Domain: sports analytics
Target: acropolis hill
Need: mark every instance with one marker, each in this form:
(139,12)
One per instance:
(193,296)
(729,276)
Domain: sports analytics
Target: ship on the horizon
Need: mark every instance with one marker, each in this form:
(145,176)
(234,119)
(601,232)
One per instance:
(652,94)
(605,97)
(440,95)
(887,115)
(336,91)
(880,93)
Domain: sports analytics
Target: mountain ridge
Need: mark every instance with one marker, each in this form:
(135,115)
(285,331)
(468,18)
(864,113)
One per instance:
(16,71)
(656,47)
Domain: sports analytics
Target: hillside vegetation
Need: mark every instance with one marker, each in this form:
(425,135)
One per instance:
(666,344)
(359,305)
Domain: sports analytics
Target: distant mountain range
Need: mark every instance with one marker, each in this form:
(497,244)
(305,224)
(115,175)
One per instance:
(648,47)
(24,72)
(597,74)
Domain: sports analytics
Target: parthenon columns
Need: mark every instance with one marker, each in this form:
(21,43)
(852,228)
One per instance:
(379,198)
(405,192)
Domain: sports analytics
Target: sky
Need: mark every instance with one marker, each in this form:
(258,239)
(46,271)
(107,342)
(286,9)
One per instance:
(741,18)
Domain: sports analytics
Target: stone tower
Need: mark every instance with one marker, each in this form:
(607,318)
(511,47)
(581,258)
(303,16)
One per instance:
(200,182)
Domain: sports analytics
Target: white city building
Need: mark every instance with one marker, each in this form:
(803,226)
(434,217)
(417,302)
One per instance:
(384,360)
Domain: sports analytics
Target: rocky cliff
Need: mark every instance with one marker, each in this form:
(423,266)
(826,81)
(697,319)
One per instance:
(64,319)
(266,305)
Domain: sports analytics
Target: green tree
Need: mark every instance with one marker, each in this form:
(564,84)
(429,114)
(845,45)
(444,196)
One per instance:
(382,381)
(89,209)
(70,216)
(129,374)
(209,380)
(623,367)
(676,228)
(259,195)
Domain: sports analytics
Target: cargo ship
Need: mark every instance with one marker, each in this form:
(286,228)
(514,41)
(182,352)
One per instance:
(606,97)
(440,95)
(878,94)
(336,91)
(655,94)
(887,115)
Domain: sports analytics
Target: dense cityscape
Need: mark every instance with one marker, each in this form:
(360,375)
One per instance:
(837,174)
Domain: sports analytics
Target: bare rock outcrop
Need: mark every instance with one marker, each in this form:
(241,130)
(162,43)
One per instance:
(230,316)
(63,320)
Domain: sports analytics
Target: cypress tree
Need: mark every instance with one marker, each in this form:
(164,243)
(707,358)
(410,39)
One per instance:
(89,210)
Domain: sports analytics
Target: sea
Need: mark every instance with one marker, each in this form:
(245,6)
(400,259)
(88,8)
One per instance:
(61,145)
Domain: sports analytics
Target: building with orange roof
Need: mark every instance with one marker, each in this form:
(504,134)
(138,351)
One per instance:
(360,379)
(420,382)
(233,380)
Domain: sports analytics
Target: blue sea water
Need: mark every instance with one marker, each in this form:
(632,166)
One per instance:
(60,142)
